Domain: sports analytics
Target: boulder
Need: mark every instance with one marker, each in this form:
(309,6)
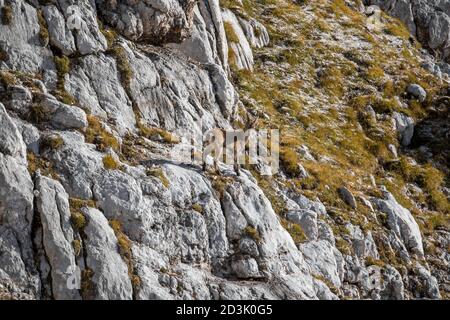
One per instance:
(401,221)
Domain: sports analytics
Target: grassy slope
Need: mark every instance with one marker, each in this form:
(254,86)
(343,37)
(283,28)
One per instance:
(323,67)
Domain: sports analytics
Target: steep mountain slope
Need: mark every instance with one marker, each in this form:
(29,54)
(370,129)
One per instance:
(97,99)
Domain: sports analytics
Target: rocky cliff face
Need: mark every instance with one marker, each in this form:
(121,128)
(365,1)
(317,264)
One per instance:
(96,99)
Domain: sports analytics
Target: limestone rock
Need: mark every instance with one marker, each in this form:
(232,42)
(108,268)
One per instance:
(401,222)
(110,272)
(53,207)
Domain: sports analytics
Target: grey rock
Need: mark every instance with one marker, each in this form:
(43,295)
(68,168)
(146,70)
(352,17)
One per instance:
(256,33)
(248,246)
(245,268)
(60,35)
(242,52)
(110,272)
(401,222)
(53,207)
(324,260)
(417,92)
(11,142)
(307,219)
(347,197)
(405,128)
(150,21)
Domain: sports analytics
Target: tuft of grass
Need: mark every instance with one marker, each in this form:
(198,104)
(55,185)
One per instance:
(370,261)
(295,230)
(62,64)
(37,114)
(331,79)
(290,161)
(229,31)
(159,173)
(98,135)
(43,28)
(78,220)
(252,233)
(398,29)
(52,142)
(3,55)
(8,79)
(124,243)
(110,163)
(7,14)
(157,134)
(375,73)
(87,286)
(123,66)
(197,207)
(77,247)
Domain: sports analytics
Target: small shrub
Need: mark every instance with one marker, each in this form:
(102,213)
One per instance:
(159,173)
(229,31)
(110,163)
(253,234)
(7,15)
